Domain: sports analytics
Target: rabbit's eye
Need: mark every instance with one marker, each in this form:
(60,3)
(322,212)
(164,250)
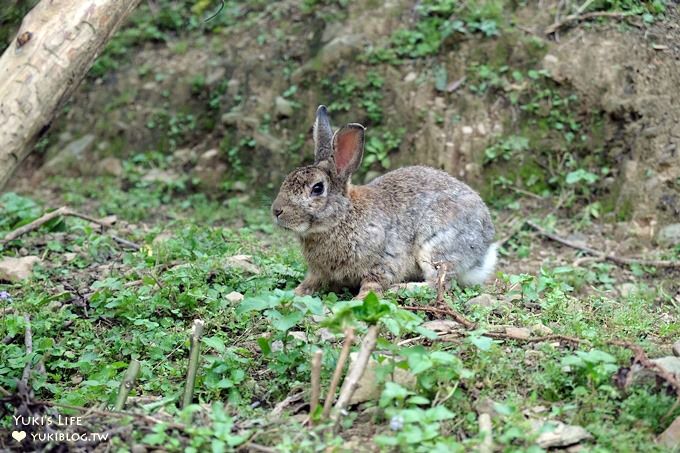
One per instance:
(317,189)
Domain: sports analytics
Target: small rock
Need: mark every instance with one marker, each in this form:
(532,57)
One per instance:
(283,107)
(17,269)
(557,434)
(540,329)
(626,289)
(68,257)
(239,186)
(578,238)
(369,389)
(671,436)
(138,448)
(268,141)
(242,262)
(298,335)
(326,335)
(109,220)
(520,333)
(410,77)
(233,87)
(109,166)
(183,156)
(669,363)
(669,235)
(676,348)
(483,300)
(162,238)
(442,325)
(71,157)
(216,75)
(210,170)
(158,175)
(277,346)
(234,297)
(513,297)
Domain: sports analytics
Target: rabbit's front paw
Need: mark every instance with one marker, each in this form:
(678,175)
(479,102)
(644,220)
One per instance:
(367,287)
(304,290)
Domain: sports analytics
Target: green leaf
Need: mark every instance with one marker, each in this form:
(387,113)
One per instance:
(481,342)
(216,343)
(264,345)
(257,304)
(284,322)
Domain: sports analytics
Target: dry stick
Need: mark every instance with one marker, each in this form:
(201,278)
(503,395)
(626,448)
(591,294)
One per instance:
(356,371)
(195,343)
(127,384)
(316,382)
(583,17)
(337,374)
(485,429)
(63,211)
(28,340)
(640,356)
(103,413)
(591,251)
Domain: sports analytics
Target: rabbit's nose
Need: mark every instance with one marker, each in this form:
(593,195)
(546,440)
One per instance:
(278,212)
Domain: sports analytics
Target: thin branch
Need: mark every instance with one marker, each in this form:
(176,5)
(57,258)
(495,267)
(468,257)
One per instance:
(597,253)
(127,384)
(117,414)
(28,340)
(640,356)
(583,17)
(316,382)
(356,371)
(64,211)
(337,374)
(194,354)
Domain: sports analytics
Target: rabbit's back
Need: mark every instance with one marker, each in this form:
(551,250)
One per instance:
(440,219)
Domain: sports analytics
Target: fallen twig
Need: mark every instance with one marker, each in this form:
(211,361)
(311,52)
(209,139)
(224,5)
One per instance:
(639,353)
(337,374)
(316,382)
(194,352)
(583,17)
(356,371)
(597,253)
(640,356)
(117,414)
(127,384)
(28,340)
(63,212)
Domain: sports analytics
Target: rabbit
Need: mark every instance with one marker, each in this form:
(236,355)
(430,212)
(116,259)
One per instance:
(395,229)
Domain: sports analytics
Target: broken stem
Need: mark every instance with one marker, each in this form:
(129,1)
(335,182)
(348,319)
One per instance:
(194,354)
(28,341)
(316,382)
(127,384)
(356,371)
(337,374)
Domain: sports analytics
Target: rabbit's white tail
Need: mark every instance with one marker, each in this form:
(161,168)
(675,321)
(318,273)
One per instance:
(478,275)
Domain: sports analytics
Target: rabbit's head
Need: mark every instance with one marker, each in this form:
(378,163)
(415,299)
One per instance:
(313,199)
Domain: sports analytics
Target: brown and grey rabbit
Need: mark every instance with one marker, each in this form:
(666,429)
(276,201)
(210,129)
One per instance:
(395,229)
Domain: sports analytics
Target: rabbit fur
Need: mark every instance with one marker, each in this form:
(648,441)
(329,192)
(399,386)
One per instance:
(397,228)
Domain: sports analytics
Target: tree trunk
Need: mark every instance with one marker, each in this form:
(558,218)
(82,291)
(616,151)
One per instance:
(54,48)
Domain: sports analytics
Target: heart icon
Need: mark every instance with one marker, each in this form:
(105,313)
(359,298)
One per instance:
(19,435)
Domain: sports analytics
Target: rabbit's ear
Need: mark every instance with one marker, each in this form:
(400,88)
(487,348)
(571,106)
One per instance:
(323,135)
(348,149)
